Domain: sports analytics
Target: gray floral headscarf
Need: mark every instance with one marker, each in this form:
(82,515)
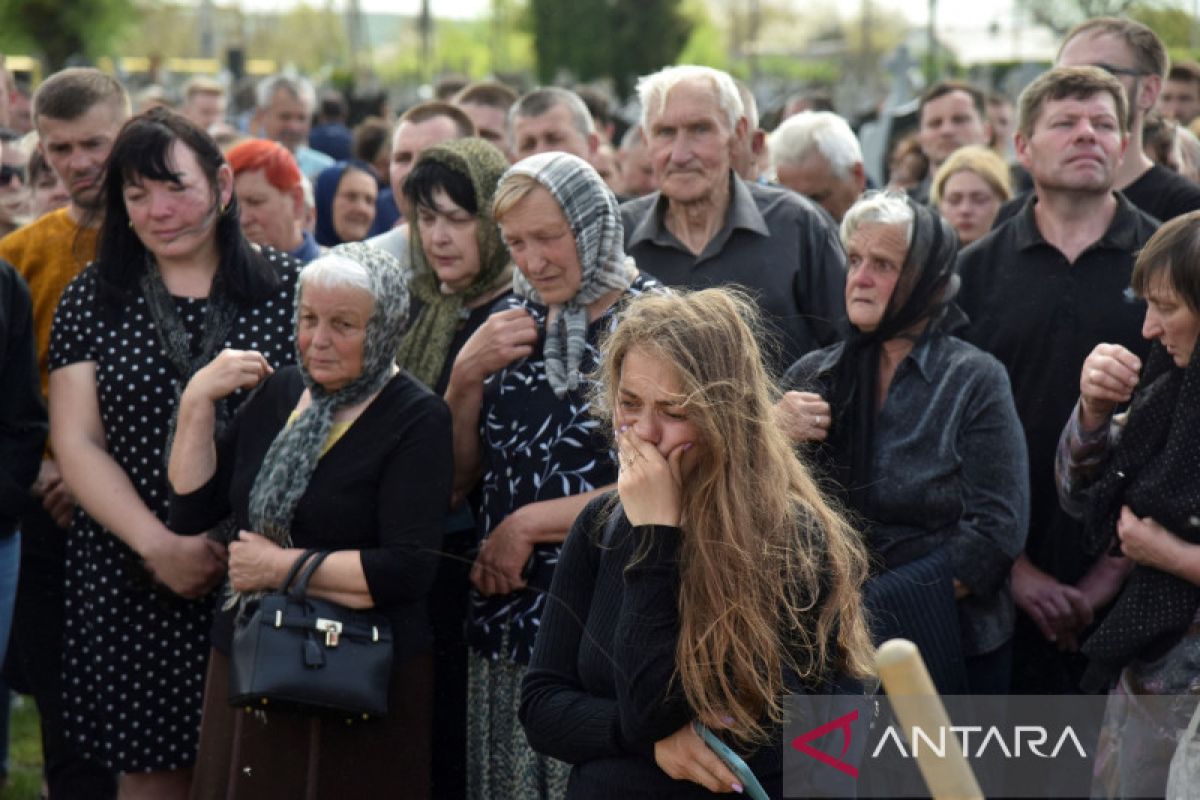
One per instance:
(289,463)
(591,211)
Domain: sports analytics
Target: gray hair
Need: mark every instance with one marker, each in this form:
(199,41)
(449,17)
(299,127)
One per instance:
(295,85)
(749,104)
(824,132)
(540,100)
(879,208)
(653,90)
(334,271)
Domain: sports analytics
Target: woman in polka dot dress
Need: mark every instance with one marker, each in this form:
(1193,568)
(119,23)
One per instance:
(174,283)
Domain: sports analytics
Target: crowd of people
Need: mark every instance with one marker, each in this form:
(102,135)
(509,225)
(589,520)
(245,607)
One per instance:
(628,434)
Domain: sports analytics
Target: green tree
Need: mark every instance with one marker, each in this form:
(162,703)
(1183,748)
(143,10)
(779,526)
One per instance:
(60,30)
(620,39)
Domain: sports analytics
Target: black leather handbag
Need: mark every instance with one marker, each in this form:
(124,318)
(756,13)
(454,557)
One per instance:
(310,654)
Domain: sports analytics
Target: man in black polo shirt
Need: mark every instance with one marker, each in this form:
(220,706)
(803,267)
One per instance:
(1135,56)
(1041,291)
(707,227)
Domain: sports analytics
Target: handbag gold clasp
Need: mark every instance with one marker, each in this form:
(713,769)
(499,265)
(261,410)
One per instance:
(332,629)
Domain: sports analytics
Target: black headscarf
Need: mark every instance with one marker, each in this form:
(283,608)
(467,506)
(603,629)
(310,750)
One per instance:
(924,291)
(1155,470)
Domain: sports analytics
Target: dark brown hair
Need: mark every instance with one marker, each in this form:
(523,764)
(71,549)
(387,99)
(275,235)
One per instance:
(1148,50)
(431,109)
(71,93)
(1061,83)
(943,88)
(1173,251)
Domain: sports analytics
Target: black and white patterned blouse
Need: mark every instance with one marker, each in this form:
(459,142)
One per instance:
(535,447)
(134,654)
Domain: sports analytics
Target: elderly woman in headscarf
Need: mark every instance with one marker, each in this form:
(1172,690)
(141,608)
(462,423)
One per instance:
(518,396)
(919,430)
(460,266)
(346,196)
(347,453)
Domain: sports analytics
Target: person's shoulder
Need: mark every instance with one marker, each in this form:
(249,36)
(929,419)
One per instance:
(960,360)
(86,282)
(644,283)
(48,230)
(638,207)
(785,205)
(394,241)
(413,402)
(286,266)
(509,301)
(803,374)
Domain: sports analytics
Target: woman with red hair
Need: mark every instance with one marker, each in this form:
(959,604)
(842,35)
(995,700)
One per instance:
(270,190)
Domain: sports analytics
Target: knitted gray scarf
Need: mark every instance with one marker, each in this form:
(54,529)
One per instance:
(292,457)
(591,211)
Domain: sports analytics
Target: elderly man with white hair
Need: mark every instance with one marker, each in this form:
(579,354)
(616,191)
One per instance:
(816,154)
(708,227)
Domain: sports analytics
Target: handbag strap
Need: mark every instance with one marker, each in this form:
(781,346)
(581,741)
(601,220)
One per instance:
(295,569)
(300,588)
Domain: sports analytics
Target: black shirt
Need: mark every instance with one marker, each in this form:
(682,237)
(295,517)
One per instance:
(1041,316)
(774,243)
(382,489)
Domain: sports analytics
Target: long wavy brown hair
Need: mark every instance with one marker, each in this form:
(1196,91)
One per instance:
(771,573)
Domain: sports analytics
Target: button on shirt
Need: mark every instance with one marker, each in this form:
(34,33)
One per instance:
(774,243)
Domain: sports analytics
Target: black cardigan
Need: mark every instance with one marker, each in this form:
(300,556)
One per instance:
(600,690)
(382,489)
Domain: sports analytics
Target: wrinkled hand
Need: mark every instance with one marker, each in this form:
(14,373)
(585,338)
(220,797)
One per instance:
(190,566)
(503,555)
(685,757)
(804,416)
(256,563)
(1147,542)
(56,497)
(1108,378)
(229,371)
(649,485)
(502,339)
(1059,610)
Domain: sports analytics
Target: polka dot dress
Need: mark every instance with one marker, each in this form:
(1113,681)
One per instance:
(134,654)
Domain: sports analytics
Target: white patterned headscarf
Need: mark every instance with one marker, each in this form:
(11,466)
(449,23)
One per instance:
(591,211)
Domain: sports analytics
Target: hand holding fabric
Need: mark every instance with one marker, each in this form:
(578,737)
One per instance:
(229,371)
(1108,378)
(804,416)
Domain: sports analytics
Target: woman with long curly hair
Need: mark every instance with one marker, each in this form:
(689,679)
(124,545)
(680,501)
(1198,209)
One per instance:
(721,551)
